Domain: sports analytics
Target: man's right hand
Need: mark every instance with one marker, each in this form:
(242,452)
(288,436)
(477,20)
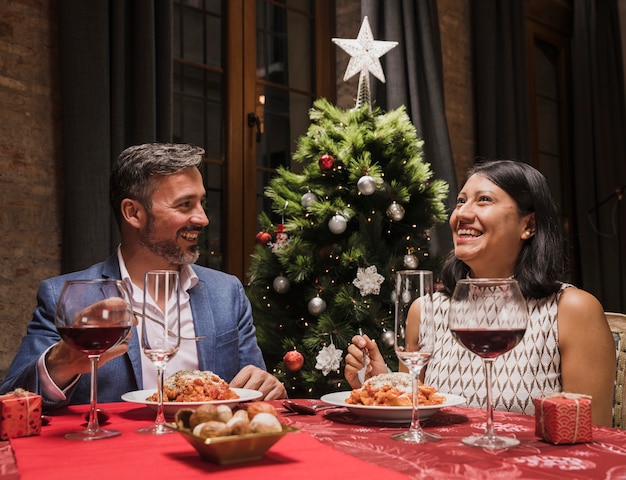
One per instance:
(64,362)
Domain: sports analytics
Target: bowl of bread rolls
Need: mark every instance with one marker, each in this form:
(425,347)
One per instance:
(224,436)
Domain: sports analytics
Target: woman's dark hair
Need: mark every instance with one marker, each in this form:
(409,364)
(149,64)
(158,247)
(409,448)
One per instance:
(541,260)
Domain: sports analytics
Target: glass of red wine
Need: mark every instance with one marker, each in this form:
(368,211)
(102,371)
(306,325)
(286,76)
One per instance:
(414,339)
(488,317)
(93,316)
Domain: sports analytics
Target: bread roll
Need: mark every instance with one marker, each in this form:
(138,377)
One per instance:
(210,412)
(255,408)
(264,422)
(239,424)
(211,429)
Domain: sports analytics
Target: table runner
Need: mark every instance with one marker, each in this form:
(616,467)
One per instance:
(449,459)
(51,456)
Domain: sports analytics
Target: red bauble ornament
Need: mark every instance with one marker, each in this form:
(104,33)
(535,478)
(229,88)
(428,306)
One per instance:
(326,162)
(293,361)
(263,238)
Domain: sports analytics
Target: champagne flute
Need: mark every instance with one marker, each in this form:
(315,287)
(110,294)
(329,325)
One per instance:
(414,338)
(488,317)
(160,340)
(93,316)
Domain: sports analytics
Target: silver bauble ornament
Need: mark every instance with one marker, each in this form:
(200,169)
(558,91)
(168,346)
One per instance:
(395,212)
(316,306)
(366,185)
(410,261)
(308,199)
(337,224)
(281,284)
(406,296)
(387,338)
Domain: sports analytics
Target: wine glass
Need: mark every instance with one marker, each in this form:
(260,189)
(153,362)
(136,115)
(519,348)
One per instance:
(414,338)
(93,316)
(488,317)
(160,332)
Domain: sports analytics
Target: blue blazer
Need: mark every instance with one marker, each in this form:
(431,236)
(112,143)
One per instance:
(221,312)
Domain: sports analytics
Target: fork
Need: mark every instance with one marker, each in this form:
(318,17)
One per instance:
(361,373)
(171,333)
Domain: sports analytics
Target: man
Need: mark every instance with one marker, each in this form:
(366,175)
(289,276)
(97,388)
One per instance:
(156,192)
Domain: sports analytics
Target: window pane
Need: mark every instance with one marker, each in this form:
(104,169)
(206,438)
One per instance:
(198,106)
(285,84)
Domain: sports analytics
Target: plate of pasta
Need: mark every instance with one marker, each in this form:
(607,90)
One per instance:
(387,413)
(192,388)
(170,408)
(388,397)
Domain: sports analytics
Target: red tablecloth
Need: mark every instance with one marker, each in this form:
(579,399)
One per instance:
(51,456)
(333,444)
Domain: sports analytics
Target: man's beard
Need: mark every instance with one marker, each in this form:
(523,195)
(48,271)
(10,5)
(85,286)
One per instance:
(169,249)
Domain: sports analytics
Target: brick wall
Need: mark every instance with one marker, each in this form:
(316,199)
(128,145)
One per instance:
(29,194)
(456,49)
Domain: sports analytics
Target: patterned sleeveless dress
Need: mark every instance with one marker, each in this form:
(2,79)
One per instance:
(530,370)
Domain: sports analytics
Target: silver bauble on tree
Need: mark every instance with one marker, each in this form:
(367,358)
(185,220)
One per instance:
(387,338)
(308,199)
(337,224)
(395,211)
(410,261)
(281,284)
(316,306)
(366,185)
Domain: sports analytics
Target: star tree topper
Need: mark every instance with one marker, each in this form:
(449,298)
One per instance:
(365,53)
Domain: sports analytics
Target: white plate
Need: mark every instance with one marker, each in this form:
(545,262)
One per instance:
(170,408)
(390,414)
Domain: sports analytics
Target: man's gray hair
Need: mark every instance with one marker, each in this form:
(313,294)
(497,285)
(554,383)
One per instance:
(132,173)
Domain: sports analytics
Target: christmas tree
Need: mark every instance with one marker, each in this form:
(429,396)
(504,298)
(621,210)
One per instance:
(324,266)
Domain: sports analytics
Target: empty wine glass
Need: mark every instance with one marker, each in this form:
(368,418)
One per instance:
(414,338)
(488,317)
(93,316)
(160,331)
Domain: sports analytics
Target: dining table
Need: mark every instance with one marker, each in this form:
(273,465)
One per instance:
(330,444)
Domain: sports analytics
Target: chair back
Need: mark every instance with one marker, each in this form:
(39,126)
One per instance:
(617,322)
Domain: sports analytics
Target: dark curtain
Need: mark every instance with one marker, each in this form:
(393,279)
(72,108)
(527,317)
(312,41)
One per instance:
(501,80)
(414,78)
(599,132)
(116,83)
(597,120)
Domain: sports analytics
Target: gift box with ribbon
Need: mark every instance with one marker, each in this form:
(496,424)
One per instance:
(20,414)
(563,418)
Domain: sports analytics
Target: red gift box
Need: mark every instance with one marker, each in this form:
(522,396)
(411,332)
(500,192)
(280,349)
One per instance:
(20,414)
(564,418)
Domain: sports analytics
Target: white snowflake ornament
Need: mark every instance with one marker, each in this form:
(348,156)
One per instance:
(328,359)
(368,281)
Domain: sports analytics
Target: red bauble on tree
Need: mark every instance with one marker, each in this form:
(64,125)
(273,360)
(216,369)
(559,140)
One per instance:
(326,162)
(293,361)
(263,238)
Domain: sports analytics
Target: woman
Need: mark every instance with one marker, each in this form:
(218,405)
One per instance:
(505,224)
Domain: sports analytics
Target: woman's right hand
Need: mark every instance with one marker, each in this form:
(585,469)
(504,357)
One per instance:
(354,360)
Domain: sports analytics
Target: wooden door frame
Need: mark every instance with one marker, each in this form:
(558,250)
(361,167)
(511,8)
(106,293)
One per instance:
(240,140)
